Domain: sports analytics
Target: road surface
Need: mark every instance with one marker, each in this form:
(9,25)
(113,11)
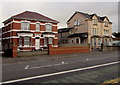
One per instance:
(18,71)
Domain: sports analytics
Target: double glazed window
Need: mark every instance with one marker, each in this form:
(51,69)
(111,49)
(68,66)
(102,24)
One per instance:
(26,41)
(50,40)
(25,25)
(106,32)
(99,42)
(94,41)
(76,22)
(95,31)
(20,41)
(106,23)
(48,27)
(95,21)
(37,27)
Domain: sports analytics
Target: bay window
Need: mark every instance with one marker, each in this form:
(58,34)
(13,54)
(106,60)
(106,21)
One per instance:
(50,40)
(26,41)
(20,41)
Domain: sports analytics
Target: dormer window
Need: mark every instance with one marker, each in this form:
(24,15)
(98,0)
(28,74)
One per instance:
(48,27)
(25,25)
(95,21)
(106,23)
(76,22)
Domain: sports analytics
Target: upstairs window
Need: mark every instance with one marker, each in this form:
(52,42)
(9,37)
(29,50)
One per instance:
(48,27)
(95,21)
(25,25)
(106,23)
(37,27)
(76,22)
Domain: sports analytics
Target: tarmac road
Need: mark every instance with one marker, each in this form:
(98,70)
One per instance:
(19,70)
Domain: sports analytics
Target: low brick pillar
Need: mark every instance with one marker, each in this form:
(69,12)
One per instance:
(49,48)
(14,51)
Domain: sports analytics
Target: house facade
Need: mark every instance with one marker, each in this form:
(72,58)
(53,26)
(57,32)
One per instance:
(29,31)
(89,28)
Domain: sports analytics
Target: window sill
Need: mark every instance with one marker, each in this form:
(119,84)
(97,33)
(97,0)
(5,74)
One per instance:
(95,24)
(105,26)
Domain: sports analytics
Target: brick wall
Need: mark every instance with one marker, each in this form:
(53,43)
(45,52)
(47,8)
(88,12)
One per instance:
(67,50)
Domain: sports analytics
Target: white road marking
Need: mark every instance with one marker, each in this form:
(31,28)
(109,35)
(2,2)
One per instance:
(28,67)
(58,73)
(87,59)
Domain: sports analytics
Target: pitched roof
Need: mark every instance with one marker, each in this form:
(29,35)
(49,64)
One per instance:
(89,16)
(33,16)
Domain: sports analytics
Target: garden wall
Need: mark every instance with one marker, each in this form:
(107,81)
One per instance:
(67,50)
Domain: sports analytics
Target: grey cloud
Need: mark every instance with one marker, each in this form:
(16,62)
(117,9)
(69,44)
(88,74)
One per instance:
(62,11)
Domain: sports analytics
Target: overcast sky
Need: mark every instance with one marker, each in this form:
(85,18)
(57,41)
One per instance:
(61,11)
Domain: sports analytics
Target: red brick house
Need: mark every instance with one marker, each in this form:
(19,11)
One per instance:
(29,31)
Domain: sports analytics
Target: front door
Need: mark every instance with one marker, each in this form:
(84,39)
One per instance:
(37,44)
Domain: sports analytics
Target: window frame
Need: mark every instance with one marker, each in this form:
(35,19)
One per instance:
(50,29)
(76,22)
(50,40)
(23,25)
(95,21)
(37,28)
(106,23)
(26,41)
(20,41)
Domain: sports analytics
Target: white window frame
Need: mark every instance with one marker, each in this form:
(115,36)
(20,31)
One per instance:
(23,27)
(37,28)
(45,41)
(50,40)
(50,29)
(95,21)
(20,41)
(99,42)
(106,23)
(28,41)
(77,22)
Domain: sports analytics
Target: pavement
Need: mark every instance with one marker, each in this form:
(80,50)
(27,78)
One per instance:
(41,58)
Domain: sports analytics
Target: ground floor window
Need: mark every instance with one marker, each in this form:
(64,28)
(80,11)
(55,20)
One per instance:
(50,40)
(99,41)
(26,41)
(20,41)
(94,39)
(106,42)
(45,41)
(110,40)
